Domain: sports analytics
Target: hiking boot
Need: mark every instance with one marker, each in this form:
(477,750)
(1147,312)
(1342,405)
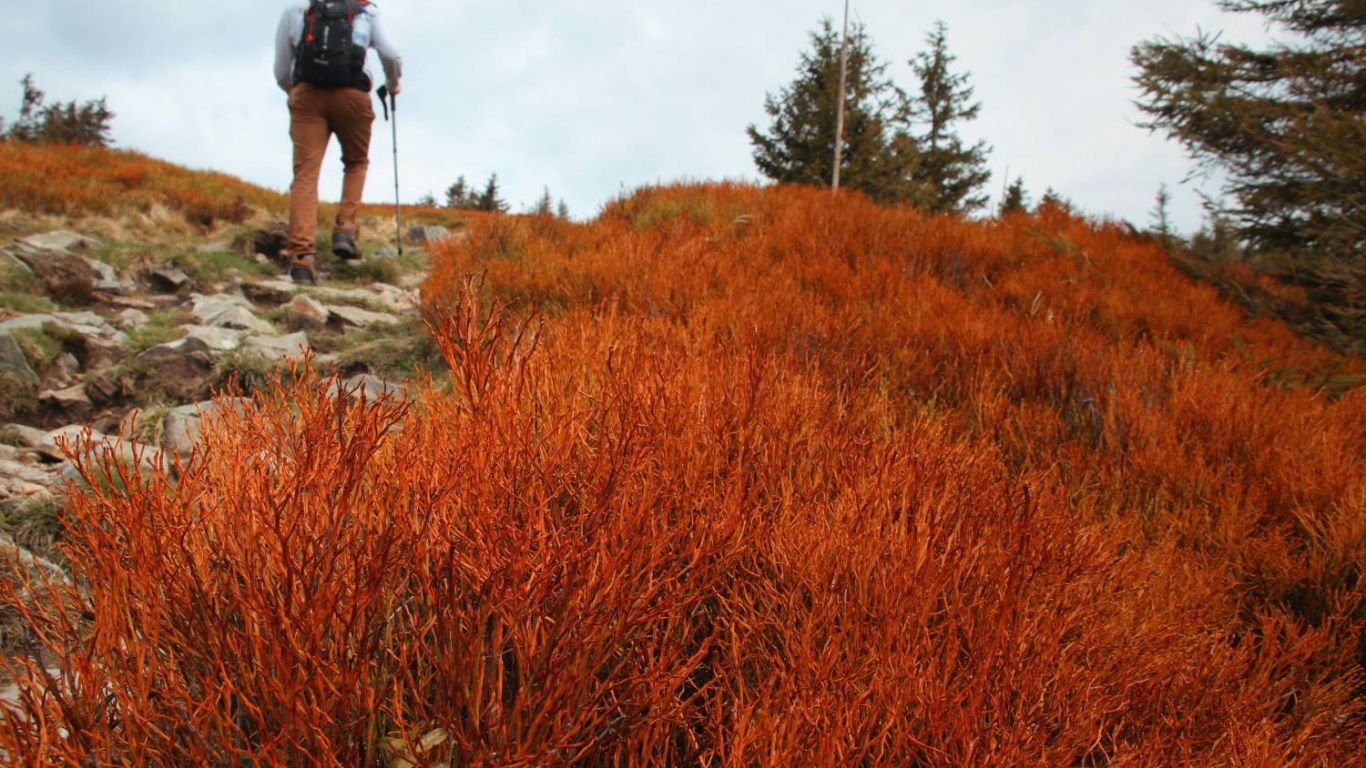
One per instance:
(345,247)
(302,270)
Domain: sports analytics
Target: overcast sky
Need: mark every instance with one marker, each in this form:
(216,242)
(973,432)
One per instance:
(592,97)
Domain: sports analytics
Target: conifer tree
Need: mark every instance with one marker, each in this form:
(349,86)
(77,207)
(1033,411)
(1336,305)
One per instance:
(1015,200)
(545,205)
(490,200)
(84,124)
(799,145)
(1284,124)
(949,175)
(562,210)
(460,196)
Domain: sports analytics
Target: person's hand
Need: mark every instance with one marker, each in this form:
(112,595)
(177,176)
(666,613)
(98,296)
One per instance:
(395,89)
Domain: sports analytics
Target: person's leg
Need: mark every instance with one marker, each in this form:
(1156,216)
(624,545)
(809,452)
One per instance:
(309,130)
(352,117)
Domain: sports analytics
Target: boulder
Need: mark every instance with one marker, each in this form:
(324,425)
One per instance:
(369,387)
(63,274)
(131,319)
(228,311)
(25,437)
(206,308)
(305,313)
(72,401)
(61,241)
(108,280)
(181,427)
(386,251)
(169,279)
(215,340)
(421,235)
(363,319)
(275,348)
(39,571)
(270,241)
(13,364)
(242,319)
(62,372)
(8,263)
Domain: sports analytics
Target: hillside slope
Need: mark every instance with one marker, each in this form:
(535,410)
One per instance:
(732,476)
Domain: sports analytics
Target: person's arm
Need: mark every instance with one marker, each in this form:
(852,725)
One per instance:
(388,53)
(284,50)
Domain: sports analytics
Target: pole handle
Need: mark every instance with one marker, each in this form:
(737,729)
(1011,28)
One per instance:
(384,98)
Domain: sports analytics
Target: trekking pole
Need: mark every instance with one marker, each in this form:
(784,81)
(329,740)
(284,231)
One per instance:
(392,102)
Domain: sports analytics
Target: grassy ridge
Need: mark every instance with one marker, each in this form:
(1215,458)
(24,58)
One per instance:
(754,477)
(93,181)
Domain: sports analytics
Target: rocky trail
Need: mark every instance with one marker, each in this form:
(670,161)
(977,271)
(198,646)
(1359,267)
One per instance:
(134,349)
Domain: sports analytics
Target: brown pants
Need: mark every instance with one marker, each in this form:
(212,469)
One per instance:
(315,114)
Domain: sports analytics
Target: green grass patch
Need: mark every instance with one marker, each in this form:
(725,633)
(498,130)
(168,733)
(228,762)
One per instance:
(27,304)
(217,267)
(142,339)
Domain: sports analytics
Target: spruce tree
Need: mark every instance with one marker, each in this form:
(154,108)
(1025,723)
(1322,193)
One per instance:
(799,145)
(1015,200)
(949,175)
(490,200)
(460,196)
(1284,124)
(545,205)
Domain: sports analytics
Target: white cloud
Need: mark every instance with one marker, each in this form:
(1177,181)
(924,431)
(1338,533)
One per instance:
(589,96)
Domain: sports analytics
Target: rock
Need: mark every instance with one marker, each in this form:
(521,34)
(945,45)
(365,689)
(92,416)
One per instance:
(242,319)
(386,251)
(421,235)
(271,240)
(226,311)
(62,372)
(64,275)
(24,437)
(216,340)
(39,571)
(13,364)
(61,241)
(215,247)
(364,319)
(304,312)
(72,401)
(8,263)
(181,370)
(206,308)
(275,292)
(181,347)
(372,388)
(169,280)
(108,281)
(275,348)
(181,427)
(130,319)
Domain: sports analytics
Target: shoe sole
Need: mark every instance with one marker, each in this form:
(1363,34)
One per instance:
(345,252)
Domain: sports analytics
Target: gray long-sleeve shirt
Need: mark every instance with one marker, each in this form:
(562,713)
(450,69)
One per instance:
(367,33)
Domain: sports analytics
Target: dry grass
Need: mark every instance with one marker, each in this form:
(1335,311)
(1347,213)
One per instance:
(768,480)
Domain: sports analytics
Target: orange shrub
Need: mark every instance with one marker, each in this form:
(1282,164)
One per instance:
(62,179)
(769,480)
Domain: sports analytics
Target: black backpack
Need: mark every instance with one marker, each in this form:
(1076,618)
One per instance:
(326,56)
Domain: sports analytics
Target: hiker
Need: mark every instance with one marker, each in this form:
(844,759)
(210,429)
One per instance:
(320,52)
